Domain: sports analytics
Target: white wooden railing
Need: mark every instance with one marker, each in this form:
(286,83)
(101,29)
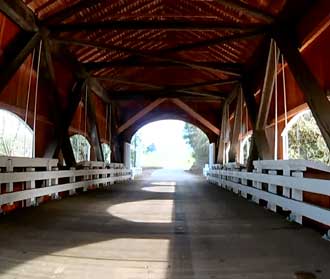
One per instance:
(25,180)
(279,183)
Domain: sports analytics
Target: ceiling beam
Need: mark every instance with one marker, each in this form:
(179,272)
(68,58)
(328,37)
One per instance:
(66,12)
(92,66)
(176,25)
(247,9)
(20,14)
(169,94)
(196,116)
(173,87)
(140,114)
(15,54)
(159,55)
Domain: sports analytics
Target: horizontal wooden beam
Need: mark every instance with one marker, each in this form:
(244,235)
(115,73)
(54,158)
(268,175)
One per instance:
(176,25)
(138,53)
(174,87)
(20,14)
(92,66)
(196,116)
(244,8)
(140,114)
(66,12)
(154,94)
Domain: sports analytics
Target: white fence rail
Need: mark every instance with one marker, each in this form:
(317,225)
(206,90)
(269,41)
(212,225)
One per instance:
(44,178)
(270,176)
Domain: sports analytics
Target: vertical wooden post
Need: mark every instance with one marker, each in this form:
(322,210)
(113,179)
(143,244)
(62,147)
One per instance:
(315,95)
(234,141)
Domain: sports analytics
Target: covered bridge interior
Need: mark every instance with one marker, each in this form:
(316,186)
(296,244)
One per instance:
(233,68)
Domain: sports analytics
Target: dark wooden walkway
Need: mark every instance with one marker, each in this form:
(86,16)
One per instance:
(170,225)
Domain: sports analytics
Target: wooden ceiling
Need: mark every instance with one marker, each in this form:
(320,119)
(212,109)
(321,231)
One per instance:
(158,48)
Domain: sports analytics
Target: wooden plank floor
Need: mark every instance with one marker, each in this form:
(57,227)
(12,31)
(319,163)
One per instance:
(169,225)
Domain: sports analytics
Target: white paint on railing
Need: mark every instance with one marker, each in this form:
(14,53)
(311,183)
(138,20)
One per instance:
(290,178)
(23,170)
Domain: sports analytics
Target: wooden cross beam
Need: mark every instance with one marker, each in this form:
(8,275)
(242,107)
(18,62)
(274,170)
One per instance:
(243,8)
(268,86)
(173,88)
(176,25)
(66,12)
(93,66)
(196,116)
(235,133)
(140,114)
(62,119)
(315,95)
(19,13)
(158,56)
(15,54)
(170,94)
(93,127)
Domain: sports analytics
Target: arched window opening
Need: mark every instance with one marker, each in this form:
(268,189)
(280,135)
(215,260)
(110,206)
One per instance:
(302,139)
(106,152)
(81,148)
(245,149)
(16,137)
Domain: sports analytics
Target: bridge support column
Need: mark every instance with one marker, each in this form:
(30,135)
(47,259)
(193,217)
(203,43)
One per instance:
(127,155)
(211,154)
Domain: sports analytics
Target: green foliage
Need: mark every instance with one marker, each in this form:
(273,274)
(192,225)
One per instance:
(198,142)
(106,152)
(306,142)
(81,148)
(150,148)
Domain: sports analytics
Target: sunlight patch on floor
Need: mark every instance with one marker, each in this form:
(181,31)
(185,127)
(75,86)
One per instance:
(145,211)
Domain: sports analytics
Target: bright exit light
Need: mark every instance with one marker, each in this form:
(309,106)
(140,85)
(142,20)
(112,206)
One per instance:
(164,146)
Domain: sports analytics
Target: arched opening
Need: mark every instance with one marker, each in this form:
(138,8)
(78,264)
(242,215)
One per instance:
(81,148)
(106,152)
(302,139)
(16,137)
(169,144)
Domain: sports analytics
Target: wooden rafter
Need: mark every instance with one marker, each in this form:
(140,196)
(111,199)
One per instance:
(92,66)
(156,56)
(170,94)
(245,8)
(196,116)
(66,12)
(15,55)
(174,88)
(19,13)
(176,25)
(140,114)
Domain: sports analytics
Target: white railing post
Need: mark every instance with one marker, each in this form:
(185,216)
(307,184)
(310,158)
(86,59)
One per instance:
(298,196)
(30,185)
(10,185)
(272,188)
(54,182)
(72,179)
